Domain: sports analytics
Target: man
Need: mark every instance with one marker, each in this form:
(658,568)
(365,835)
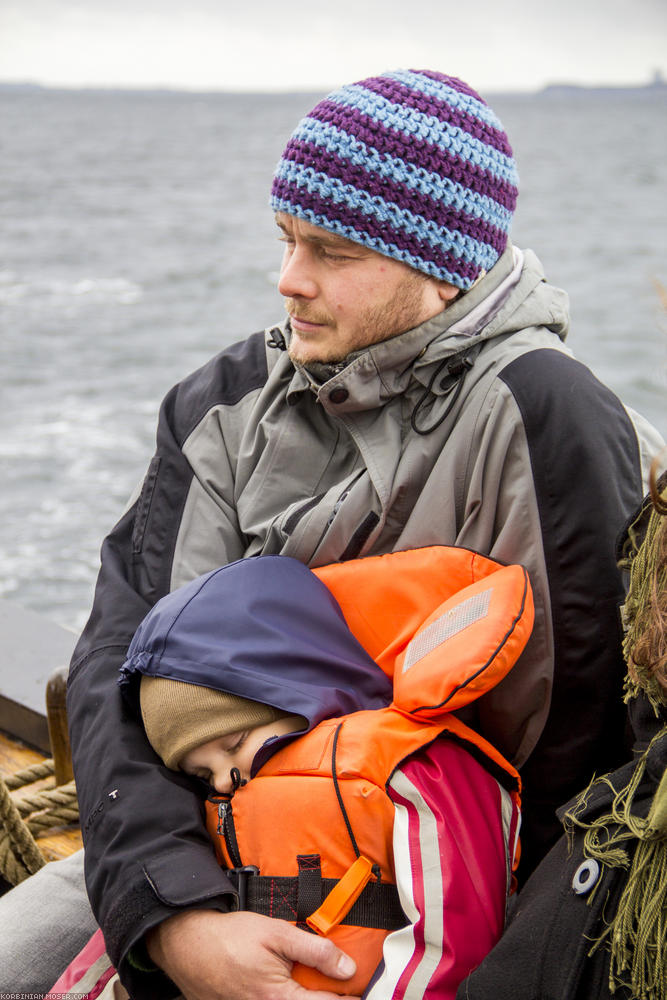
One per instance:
(418,393)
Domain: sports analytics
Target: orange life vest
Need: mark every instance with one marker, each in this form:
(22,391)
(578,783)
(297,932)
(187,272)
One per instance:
(448,624)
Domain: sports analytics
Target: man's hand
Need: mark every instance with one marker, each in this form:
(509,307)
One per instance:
(242,956)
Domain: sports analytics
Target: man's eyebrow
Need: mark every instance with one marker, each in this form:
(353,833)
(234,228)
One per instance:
(323,238)
(332,240)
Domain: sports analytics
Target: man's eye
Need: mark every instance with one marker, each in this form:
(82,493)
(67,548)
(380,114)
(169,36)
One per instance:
(333,255)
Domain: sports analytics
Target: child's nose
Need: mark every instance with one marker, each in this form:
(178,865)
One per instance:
(222,782)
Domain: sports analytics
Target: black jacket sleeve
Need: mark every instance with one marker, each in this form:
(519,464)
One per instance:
(147,853)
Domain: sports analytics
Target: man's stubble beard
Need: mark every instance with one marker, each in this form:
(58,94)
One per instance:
(401,313)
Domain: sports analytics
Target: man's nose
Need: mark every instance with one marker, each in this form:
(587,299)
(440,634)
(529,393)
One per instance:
(297,279)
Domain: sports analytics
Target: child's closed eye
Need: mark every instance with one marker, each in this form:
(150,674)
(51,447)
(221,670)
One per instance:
(239,743)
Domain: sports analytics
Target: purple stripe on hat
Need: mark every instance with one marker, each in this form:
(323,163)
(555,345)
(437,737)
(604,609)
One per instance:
(399,93)
(416,178)
(433,158)
(473,105)
(370,227)
(433,210)
(405,126)
(450,81)
(402,222)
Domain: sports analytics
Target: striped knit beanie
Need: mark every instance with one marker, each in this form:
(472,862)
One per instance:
(412,164)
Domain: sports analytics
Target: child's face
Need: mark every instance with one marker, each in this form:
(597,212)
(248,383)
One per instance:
(213,761)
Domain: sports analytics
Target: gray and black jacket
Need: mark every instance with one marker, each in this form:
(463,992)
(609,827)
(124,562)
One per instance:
(478,429)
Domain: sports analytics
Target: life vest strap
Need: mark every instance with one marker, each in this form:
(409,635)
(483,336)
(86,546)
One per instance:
(309,887)
(378,906)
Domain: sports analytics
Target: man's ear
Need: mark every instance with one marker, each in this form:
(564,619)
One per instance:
(447,292)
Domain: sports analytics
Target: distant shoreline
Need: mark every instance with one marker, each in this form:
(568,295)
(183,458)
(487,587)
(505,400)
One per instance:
(657,87)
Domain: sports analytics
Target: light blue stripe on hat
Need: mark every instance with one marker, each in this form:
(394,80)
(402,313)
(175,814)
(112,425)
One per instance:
(415,178)
(455,98)
(331,189)
(374,243)
(413,124)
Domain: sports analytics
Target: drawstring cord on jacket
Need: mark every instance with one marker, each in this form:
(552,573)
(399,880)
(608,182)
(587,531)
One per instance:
(452,382)
(277,340)
(237,780)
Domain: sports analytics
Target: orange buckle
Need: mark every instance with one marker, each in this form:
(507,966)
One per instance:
(342,897)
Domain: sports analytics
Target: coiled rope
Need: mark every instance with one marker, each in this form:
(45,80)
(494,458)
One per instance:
(23,819)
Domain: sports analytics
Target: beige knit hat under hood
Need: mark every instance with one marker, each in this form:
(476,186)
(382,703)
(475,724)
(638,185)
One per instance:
(179,717)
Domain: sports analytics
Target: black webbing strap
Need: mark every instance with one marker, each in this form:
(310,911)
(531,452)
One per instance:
(280,896)
(308,887)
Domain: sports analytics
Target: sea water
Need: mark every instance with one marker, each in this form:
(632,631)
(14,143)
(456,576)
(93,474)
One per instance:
(136,242)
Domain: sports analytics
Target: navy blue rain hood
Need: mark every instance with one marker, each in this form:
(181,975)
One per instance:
(264,628)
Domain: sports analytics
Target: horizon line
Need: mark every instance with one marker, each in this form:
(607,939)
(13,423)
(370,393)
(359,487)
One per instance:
(654,83)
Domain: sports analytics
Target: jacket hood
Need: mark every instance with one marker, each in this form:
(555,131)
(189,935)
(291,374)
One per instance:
(264,628)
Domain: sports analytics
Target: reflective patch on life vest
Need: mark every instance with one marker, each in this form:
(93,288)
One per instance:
(449,624)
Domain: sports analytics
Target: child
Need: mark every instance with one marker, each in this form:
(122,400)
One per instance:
(402,854)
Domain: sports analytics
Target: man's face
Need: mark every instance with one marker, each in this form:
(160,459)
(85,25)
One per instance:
(341,296)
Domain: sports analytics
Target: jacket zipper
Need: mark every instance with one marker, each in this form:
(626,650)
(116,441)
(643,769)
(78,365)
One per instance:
(227,830)
(336,507)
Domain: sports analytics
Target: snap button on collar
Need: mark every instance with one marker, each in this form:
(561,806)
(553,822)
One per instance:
(338,395)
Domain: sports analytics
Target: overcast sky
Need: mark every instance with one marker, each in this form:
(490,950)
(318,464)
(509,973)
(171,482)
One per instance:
(306,45)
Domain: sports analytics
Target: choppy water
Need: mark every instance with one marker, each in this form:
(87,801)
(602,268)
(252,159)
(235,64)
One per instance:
(136,242)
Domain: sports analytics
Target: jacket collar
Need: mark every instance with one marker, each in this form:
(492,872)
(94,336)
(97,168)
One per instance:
(377,373)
